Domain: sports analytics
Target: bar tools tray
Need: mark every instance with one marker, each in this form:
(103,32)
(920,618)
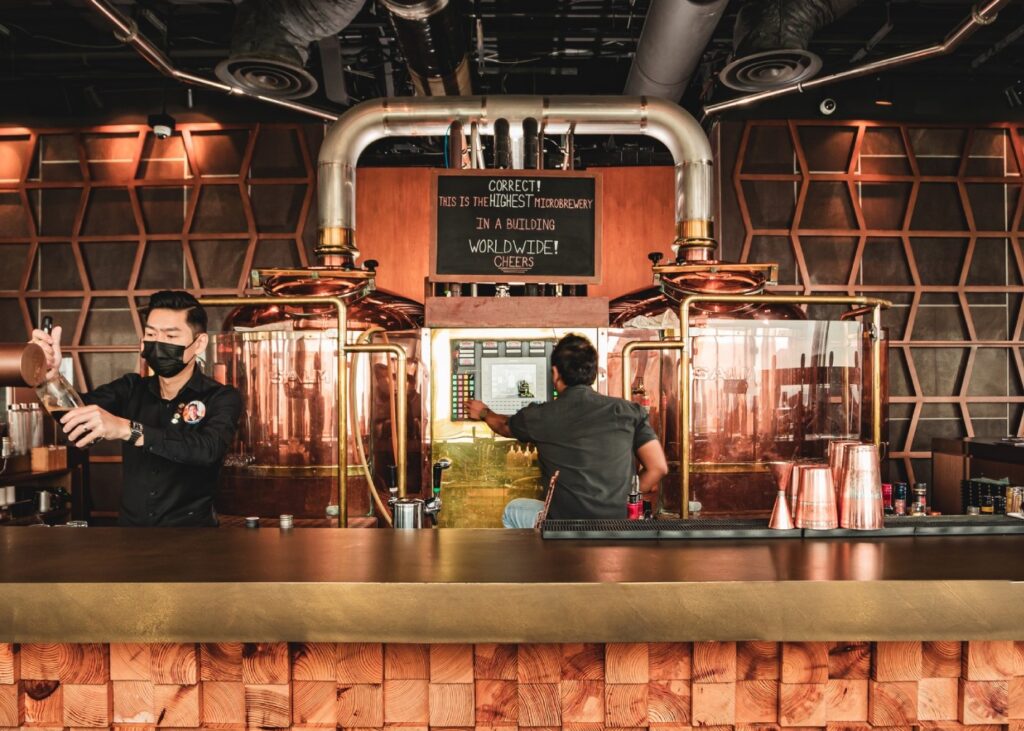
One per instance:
(709,528)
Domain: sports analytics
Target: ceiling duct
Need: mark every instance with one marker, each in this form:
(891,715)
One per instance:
(435,43)
(674,37)
(770,42)
(270,43)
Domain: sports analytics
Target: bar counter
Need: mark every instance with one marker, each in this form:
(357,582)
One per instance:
(466,586)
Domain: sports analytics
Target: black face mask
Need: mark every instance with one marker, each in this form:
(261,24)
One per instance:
(166,359)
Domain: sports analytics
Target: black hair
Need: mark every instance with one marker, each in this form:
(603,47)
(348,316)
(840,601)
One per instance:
(576,360)
(178,300)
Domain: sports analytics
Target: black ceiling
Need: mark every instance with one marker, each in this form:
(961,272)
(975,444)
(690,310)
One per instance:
(59,60)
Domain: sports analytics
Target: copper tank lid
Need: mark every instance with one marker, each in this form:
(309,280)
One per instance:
(684,278)
(367,305)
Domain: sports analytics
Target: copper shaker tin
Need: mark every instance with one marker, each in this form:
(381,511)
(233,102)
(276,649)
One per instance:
(816,505)
(861,489)
(794,487)
(836,450)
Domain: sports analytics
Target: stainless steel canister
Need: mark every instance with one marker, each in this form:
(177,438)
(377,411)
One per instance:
(25,425)
(408,513)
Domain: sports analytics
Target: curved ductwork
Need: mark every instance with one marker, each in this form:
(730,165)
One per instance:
(770,41)
(433,39)
(674,37)
(270,43)
(598,115)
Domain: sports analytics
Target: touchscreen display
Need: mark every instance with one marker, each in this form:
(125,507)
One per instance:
(515,380)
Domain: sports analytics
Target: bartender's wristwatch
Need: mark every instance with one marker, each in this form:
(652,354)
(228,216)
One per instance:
(136,428)
(484,413)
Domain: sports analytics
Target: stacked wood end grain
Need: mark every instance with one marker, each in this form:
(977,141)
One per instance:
(737,686)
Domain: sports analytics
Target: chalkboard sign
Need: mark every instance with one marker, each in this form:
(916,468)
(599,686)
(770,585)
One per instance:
(516,226)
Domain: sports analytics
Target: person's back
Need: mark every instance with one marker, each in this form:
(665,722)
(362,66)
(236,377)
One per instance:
(591,440)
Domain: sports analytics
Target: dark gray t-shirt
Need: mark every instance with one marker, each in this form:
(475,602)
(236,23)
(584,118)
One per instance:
(591,439)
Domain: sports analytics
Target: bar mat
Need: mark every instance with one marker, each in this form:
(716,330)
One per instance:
(706,528)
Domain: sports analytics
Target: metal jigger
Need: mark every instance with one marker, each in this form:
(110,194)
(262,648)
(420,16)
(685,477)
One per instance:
(836,450)
(861,503)
(816,506)
(781,518)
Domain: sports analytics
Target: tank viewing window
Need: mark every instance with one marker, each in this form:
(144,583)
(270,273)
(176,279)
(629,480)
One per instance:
(767,390)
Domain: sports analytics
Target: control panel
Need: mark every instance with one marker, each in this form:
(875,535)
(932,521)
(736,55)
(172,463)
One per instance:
(505,374)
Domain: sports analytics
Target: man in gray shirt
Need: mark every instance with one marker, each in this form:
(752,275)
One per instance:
(590,439)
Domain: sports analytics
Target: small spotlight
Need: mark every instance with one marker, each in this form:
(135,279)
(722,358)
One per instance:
(162,125)
(883,102)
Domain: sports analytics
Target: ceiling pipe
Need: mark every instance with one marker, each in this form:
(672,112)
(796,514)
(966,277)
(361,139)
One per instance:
(375,119)
(982,14)
(435,44)
(126,30)
(674,37)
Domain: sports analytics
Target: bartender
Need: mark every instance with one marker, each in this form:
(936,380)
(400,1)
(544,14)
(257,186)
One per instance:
(176,425)
(589,438)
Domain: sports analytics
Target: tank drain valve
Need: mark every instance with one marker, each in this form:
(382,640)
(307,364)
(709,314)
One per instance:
(392,478)
(433,506)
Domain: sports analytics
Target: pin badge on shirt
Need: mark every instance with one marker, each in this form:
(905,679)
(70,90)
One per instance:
(194,412)
(177,414)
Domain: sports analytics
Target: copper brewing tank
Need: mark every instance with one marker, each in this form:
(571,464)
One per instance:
(281,358)
(755,398)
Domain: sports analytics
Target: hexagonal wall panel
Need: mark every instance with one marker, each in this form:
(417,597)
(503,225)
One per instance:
(946,251)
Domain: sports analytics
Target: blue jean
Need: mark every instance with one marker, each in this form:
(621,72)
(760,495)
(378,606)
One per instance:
(521,512)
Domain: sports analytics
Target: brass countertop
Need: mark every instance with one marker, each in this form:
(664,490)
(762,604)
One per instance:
(111,584)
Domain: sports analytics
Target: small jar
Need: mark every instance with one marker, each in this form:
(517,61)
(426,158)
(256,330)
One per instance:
(252,521)
(899,498)
(973,510)
(287,522)
(1014,498)
(988,505)
(920,506)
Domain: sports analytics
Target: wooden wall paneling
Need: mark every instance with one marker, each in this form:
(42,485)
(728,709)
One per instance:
(637,217)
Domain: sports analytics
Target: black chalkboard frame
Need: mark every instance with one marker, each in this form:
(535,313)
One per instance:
(595,278)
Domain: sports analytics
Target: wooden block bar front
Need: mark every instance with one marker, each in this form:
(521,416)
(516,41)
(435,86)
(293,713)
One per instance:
(117,628)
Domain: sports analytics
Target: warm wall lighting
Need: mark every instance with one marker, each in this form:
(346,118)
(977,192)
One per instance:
(883,102)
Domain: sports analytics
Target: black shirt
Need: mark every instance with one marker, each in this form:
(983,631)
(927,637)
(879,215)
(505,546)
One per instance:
(591,439)
(171,479)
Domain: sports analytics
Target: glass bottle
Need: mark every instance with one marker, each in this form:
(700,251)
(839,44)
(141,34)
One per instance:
(634,505)
(887,499)
(56,394)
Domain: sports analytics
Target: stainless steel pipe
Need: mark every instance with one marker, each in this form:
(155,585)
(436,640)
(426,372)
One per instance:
(432,116)
(982,14)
